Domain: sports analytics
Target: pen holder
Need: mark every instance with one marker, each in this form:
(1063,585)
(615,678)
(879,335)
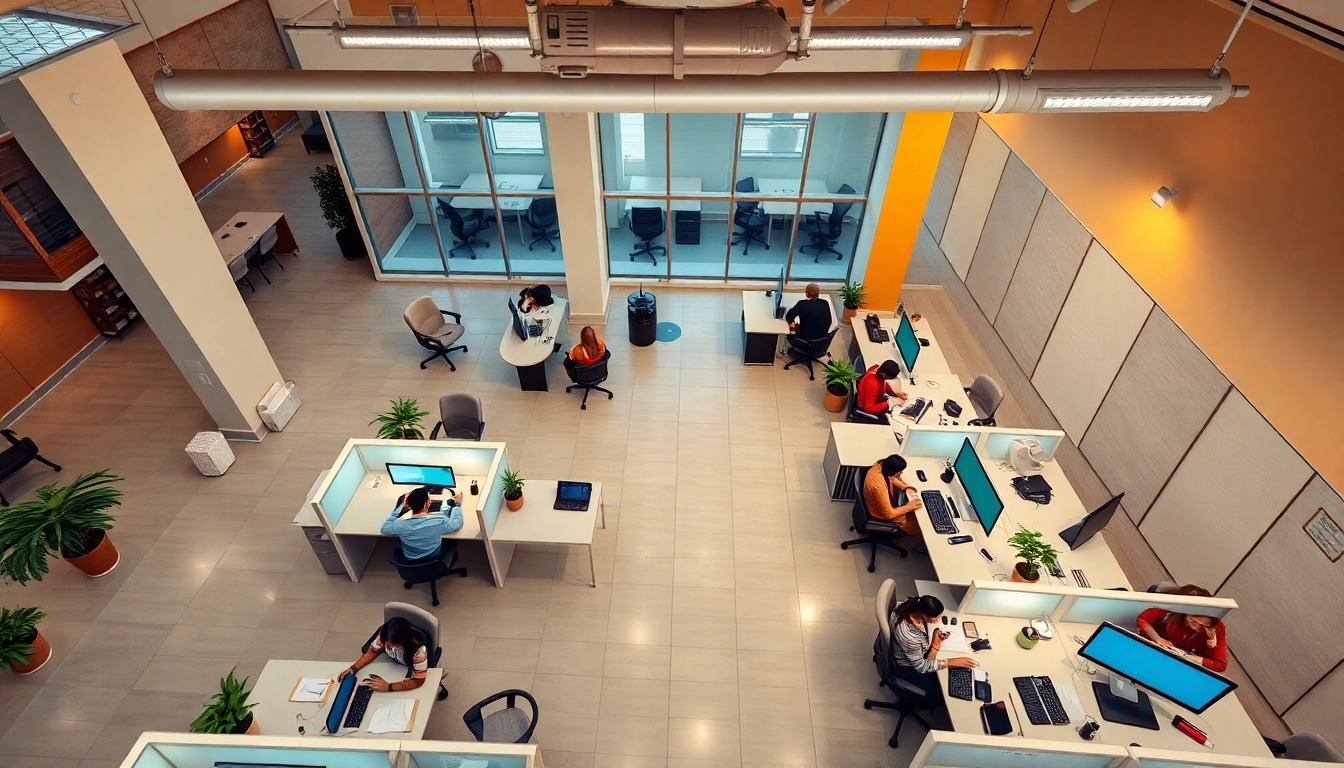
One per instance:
(1027,638)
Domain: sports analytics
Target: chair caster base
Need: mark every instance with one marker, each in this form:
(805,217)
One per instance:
(872,568)
(442,694)
(845,544)
(406,585)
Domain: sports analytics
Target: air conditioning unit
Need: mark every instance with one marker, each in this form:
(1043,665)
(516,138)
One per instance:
(279,405)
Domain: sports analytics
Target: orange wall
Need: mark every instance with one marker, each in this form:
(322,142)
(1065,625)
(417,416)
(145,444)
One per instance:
(214,159)
(39,332)
(1249,259)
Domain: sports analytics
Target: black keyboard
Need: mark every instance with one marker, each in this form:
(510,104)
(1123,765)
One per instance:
(1040,701)
(959,684)
(878,335)
(358,704)
(938,514)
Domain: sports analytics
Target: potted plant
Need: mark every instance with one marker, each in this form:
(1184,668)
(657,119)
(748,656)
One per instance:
(72,521)
(337,212)
(228,710)
(402,422)
(1032,553)
(513,490)
(851,295)
(22,648)
(840,380)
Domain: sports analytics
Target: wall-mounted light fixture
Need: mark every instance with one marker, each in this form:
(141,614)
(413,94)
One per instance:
(1163,195)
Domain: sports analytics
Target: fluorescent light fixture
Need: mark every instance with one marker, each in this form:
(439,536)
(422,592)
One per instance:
(433,38)
(888,41)
(1163,195)
(1104,99)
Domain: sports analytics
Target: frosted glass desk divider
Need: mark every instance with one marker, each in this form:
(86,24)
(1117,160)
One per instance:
(950,749)
(1079,605)
(1147,757)
(938,442)
(203,750)
(995,441)
(450,754)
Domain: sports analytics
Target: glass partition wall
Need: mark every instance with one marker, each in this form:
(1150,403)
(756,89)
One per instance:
(749,194)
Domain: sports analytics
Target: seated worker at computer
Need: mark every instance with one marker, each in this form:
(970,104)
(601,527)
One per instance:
(890,498)
(535,296)
(589,350)
(915,641)
(810,318)
(875,387)
(1201,636)
(400,643)
(421,532)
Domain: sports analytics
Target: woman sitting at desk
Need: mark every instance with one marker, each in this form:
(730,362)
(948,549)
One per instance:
(915,642)
(1202,636)
(891,499)
(535,296)
(589,350)
(398,640)
(870,396)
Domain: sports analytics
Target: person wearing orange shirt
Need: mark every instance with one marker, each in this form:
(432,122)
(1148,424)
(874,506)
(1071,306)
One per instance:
(589,350)
(891,499)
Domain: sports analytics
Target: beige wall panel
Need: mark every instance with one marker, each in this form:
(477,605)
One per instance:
(1269,587)
(1162,397)
(1016,202)
(1050,260)
(975,193)
(1322,709)
(949,171)
(1238,476)
(1101,318)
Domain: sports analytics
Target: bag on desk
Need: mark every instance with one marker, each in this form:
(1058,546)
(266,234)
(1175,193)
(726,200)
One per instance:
(951,408)
(995,719)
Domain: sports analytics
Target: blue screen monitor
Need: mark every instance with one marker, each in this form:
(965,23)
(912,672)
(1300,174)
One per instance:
(1173,677)
(518,326)
(422,474)
(340,703)
(779,294)
(907,344)
(979,490)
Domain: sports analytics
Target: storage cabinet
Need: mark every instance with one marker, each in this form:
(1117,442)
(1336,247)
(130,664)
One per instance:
(105,301)
(256,134)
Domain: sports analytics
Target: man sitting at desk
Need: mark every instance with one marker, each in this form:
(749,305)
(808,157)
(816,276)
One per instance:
(891,499)
(810,318)
(870,396)
(422,533)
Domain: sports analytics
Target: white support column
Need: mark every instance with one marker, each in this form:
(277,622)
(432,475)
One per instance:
(86,126)
(576,167)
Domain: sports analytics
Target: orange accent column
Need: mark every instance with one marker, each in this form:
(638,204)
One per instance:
(918,150)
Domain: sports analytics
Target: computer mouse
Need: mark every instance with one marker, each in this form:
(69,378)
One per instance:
(944,620)
(922,477)
(923,342)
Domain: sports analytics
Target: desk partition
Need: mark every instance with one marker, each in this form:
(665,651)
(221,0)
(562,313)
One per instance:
(1079,605)
(937,442)
(949,749)
(997,441)
(196,750)
(1146,757)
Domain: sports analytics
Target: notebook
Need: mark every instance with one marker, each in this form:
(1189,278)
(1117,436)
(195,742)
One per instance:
(311,689)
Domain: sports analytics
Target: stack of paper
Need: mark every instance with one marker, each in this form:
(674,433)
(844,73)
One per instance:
(310,689)
(392,716)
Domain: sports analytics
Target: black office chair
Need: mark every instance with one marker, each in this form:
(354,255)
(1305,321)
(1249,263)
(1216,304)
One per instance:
(809,351)
(909,698)
(852,412)
(749,217)
(872,532)
(542,218)
(20,452)
(427,573)
(510,725)
(826,232)
(426,628)
(647,224)
(461,417)
(588,377)
(464,231)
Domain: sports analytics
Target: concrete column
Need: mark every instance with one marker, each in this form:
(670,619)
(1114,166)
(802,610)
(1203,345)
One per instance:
(86,126)
(576,167)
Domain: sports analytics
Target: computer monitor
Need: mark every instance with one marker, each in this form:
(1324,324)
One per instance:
(779,295)
(1134,658)
(340,703)
(437,478)
(907,344)
(518,326)
(984,500)
(1078,535)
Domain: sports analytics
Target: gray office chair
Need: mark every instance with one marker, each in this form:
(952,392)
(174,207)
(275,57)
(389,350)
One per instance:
(909,698)
(510,725)
(238,271)
(435,334)
(809,351)
(985,394)
(871,532)
(1306,746)
(267,244)
(425,625)
(461,417)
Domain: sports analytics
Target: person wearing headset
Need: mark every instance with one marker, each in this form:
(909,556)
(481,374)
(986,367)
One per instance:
(915,642)
(398,640)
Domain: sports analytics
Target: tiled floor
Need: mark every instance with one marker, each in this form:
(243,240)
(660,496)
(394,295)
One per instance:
(728,626)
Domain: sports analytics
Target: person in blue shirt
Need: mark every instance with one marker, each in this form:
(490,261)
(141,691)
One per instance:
(422,533)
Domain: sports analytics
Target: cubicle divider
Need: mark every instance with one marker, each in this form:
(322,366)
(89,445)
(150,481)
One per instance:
(487,512)
(943,442)
(332,498)
(1081,605)
(1147,757)
(950,749)
(197,750)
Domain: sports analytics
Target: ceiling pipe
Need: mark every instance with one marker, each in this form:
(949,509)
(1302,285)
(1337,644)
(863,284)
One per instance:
(964,91)
(533,28)
(804,33)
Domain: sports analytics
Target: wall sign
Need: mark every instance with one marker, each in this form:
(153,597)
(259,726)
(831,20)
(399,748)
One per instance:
(1326,533)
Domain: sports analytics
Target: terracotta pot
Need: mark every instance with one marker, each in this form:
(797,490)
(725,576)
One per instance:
(847,315)
(1020,578)
(41,655)
(836,403)
(248,726)
(100,559)
(514,504)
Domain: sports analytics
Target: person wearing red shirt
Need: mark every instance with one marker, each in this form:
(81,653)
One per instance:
(1202,636)
(875,386)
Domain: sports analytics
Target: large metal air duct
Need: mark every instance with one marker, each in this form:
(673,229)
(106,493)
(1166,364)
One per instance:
(1189,90)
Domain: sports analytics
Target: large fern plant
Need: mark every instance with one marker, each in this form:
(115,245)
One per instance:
(227,709)
(402,422)
(18,630)
(59,520)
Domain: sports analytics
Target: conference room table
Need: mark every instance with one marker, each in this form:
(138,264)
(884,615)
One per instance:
(681,185)
(244,230)
(504,182)
(815,187)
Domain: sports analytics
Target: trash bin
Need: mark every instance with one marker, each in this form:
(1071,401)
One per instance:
(643,312)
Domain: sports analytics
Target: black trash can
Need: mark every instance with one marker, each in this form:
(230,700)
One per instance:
(642,308)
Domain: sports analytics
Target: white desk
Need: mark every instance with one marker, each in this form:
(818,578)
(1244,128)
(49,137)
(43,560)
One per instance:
(276,715)
(681,185)
(930,359)
(504,182)
(529,355)
(538,522)
(369,508)
(790,187)
(241,232)
(762,329)
(939,387)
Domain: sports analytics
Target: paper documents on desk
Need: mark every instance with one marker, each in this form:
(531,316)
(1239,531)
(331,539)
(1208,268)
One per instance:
(392,716)
(956,639)
(1073,706)
(311,689)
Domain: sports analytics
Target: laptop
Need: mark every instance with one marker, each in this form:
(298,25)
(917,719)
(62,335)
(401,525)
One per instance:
(573,496)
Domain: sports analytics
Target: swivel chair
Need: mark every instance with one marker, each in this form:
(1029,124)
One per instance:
(427,573)
(750,218)
(852,411)
(464,232)
(424,625)
(542,218)
(647,224)
(825,233)
(435,334)
(588,377)
(985,395)
(20,452)
(510,725)
(871,532)
(809,351)
(461,417)
(909,698)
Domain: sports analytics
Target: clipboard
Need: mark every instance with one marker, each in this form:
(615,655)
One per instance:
(298,683)
(410,721)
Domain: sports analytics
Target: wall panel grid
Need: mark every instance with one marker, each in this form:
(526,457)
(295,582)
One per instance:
(975,193)
(1010,219)
(949,171)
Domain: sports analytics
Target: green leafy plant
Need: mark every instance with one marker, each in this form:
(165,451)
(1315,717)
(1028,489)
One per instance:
(18,630)
(402,422)
(839,377)
(1032,552)
(852,294)
(69,520)
(331,197)
(227,709)
(512,484)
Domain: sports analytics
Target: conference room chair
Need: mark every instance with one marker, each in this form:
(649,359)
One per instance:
(424,624)
(871,532)
(461,417)
(750,218)
(908,699)
(238,269)
(825,232)
(808,351)
(985,395)
(647,224)
(427,573)
(464,231)
(432,331)
(21,451)
(1307,745)
(263,250)
(542,219)
(510,725)
(587,378)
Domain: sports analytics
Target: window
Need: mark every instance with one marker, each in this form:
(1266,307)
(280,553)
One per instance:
(519,133)
(774,135)
(632,136)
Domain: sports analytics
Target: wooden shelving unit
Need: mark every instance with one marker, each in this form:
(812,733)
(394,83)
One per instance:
(256,134)
(105,301)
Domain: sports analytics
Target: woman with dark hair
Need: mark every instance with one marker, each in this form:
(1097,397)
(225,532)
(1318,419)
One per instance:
(401,643)
(891,499)
(870,396)
(1202,636)
(915,641)
(535,296)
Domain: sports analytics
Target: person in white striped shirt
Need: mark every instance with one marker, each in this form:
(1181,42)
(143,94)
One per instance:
(915,642)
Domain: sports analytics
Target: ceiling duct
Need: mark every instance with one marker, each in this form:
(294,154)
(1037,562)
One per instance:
(1187,90)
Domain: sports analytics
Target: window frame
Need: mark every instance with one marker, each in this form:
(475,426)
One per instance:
(802,124)
(517,117)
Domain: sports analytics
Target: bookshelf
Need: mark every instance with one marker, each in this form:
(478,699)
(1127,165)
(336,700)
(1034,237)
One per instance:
(256,134)
(105,301)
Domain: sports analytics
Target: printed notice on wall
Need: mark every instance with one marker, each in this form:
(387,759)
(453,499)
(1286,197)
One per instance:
(1327,534)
